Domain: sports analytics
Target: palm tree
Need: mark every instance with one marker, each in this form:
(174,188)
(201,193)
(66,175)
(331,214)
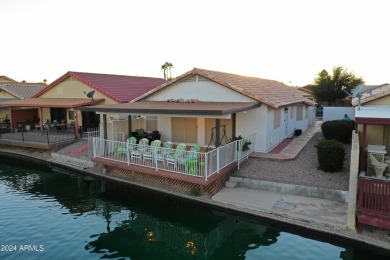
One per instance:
(164,68)
(170,66)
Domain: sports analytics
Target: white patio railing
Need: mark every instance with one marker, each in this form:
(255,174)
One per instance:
(192,163)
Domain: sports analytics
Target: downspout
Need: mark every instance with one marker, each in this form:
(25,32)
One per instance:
(129,124)
(105,126)
(218,132)
(234,116)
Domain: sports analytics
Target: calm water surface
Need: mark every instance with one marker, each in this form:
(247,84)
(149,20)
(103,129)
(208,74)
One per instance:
(49,213)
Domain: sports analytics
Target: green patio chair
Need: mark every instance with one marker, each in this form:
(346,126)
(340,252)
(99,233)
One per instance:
(120,150)
(163,152)
(191,162)
(177,156)
(152,151)
(138,150)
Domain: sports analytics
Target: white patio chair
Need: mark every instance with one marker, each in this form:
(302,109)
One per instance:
(379,167)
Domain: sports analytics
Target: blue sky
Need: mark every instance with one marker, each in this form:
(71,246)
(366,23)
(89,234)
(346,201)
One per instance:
(289,41)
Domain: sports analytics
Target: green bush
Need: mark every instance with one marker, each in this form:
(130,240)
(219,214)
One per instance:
(340,130)
(195,192)
(331,155)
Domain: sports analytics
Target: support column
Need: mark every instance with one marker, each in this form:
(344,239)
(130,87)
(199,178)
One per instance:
(105,126)
(76,123)
(217,132)
(10,118)
(234,116)
(363,149)
(41,120)
(129,124)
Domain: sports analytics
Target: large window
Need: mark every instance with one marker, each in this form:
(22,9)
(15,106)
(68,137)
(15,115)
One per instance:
(184,130)
(210,124)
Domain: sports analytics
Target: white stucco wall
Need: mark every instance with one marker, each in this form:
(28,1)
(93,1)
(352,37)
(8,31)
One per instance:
(253,122)
(198,88)
(164,127)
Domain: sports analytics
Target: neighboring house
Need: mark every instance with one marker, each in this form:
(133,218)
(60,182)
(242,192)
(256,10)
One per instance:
(16,91)
(372,115)
(5,79)
(204,107)
(61,100)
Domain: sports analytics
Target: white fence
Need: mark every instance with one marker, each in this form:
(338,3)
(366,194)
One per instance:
(337,113)
(192,163)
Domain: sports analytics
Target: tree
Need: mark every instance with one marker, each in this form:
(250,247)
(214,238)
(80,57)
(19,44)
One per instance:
(164,68)
(170,66)
(327,87)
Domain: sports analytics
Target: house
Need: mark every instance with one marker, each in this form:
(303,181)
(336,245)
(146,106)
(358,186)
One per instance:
(10,91)
(5,79)
(60,102)
(204,107)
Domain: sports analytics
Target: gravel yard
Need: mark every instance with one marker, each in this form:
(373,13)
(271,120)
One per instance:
(301,171)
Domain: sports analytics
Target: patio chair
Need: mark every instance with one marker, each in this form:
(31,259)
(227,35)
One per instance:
(120,150)
(191,161)
(178,155)
(137,150)
(163,152)
(152,151)
(379,167)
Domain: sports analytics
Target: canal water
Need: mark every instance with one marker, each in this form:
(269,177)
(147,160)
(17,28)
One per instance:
(51,213)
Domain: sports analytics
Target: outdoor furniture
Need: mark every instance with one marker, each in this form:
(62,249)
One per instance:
(379,167)
(152,151)
(172,159)
(119,150)
(163,152)
(137,150)
(191,163)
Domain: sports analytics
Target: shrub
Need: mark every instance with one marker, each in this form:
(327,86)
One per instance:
(340,130)
(331,155)
(195,192)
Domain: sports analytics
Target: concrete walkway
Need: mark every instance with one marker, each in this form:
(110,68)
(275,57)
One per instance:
(315,210)
(320,211)
(292,150)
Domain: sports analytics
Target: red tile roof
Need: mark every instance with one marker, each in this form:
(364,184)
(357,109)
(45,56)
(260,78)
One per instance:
(120,88)
(270,92)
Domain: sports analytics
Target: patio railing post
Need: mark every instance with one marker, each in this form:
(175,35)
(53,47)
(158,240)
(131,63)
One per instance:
(205,166)
(94,147)
(47,136)
(128,153)
(218,159)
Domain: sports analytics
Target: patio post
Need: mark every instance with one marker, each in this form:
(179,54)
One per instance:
(41,120)
(205,166)
(129,124)
(363,148)
(217,132)
(234,116)
(76,122)
(105,126)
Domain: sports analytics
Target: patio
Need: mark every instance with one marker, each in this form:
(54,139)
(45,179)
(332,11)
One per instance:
(46,139)
(191,166)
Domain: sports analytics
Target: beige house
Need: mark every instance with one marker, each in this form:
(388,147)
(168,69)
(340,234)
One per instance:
(60,102)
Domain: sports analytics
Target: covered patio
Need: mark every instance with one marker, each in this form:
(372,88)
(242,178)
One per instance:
(201,167)
(374,123)
(41,115)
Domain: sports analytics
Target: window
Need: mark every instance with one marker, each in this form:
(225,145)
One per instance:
(71,114)
(277,118)
(151,123)
(184,130)
(299,112)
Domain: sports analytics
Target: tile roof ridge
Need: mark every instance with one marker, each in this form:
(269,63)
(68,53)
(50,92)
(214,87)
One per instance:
(107,74)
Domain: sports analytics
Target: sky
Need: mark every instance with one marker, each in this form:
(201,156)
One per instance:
(284,40)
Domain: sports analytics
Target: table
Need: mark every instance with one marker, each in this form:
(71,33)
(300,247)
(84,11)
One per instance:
(371,148)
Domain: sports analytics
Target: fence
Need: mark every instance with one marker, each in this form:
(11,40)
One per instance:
(47,136)
(374,202)
(90,134)
(202,165)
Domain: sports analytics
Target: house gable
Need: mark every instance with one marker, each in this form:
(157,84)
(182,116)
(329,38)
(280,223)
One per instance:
(73,88)
(383,101)
(198,87)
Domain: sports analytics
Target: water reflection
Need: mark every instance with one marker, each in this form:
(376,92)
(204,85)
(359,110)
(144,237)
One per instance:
(119,221)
